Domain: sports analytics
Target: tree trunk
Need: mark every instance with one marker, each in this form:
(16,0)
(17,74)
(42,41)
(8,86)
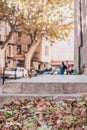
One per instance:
(29,55)
(27,61)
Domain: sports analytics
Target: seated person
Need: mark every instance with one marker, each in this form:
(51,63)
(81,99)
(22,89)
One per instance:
(47,68)
(57,71)
(44,68)
(40,69)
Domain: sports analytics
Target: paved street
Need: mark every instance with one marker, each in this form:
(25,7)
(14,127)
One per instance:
(54,78)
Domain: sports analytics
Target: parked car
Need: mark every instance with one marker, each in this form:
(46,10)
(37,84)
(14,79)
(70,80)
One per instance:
(16,72)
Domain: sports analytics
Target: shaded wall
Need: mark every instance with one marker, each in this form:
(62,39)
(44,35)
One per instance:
(80,55)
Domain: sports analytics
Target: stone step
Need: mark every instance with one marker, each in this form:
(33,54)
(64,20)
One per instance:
(57,87)
(47,84)
(6,98)
(44,88)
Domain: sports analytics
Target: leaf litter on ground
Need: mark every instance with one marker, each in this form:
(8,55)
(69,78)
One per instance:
(44,114)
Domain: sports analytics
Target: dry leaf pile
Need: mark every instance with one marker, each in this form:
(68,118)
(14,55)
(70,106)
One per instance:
(44,114)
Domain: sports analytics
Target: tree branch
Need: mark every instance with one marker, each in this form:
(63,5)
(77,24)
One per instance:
(8,37)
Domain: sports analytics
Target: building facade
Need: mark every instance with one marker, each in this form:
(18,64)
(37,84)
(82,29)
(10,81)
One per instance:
(80,44)
(4,30)
(18,45)
(63,50)
(80,57)
(41,55)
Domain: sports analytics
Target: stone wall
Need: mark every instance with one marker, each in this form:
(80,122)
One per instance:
(80,34)
(76,34)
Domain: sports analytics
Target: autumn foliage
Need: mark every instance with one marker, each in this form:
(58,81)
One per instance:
(44,114)
(37,19)
(38,16)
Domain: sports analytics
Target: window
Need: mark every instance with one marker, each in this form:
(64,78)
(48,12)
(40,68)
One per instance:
(46,50)
(19,34)
(18,49)
(20,63)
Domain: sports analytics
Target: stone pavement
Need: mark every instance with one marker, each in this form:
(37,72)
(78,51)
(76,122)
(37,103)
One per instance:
(54,78)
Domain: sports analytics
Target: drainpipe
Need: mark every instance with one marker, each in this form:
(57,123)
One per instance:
(81,35)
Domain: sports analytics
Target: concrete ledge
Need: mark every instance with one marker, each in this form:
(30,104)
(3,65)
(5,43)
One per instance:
(44,88)
(7,98)
(56,87)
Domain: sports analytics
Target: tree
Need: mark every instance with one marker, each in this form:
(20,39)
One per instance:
(38,19)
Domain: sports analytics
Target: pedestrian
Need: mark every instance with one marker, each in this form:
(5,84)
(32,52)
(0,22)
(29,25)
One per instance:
(68,67)
(71,70)
(62,68)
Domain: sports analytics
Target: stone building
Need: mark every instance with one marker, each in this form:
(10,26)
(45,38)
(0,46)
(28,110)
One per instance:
(17,47)
(4,29)
(80,56)
(80,46)
(22,43)
(63,50)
